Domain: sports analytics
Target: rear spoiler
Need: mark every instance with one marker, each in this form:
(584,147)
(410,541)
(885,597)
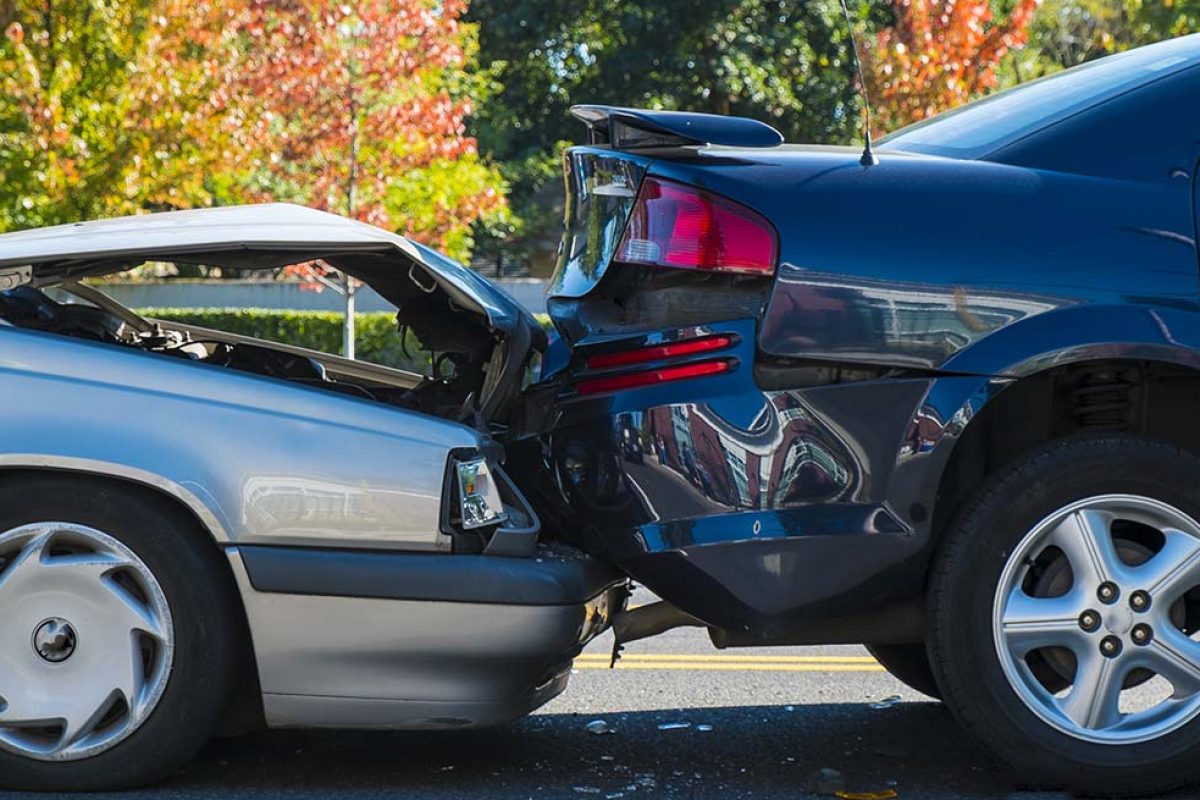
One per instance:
(633,128)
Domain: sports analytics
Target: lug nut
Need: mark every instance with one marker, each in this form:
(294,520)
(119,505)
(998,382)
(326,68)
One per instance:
(1089,621)
(1108,592)
(1139,601)
(1142,634)
(1110,646)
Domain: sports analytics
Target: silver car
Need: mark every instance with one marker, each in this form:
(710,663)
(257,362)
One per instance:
(201,532)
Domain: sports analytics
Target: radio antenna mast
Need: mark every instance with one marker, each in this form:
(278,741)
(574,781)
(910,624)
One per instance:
(868,159)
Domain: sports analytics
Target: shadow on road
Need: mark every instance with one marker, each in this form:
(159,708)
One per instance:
(760,752)
(751,752)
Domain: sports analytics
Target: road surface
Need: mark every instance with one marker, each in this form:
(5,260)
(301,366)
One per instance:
(759,723)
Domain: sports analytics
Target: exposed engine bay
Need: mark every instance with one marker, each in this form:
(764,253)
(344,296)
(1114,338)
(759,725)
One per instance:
(441,395)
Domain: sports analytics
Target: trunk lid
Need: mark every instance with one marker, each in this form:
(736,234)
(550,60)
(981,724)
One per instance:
(449,307)
(248,237)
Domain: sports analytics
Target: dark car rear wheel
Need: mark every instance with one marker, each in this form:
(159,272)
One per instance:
(1063,610)
(909,664)
(116,658)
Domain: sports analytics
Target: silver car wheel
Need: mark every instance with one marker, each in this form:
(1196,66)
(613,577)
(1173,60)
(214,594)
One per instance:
(86,641)
(1117,613)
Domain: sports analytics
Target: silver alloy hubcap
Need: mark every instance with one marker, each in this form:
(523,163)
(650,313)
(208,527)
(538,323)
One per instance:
(1121,622)
(86,641)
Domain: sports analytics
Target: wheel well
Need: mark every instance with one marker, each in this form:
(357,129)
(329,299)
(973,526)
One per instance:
(1145,397)
(245,711)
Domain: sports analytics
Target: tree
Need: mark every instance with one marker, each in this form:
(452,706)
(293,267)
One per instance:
(1065,33)
(90,121)
(781,61)
(357,108)
(939,54)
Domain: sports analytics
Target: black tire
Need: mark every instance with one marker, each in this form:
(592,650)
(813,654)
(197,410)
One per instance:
(964,581)
(909,664)
(201,596)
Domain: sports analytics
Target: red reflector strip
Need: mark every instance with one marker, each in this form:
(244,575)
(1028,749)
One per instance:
(688,347)
(630,380)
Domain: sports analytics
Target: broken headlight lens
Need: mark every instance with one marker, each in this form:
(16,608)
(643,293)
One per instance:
(478,495)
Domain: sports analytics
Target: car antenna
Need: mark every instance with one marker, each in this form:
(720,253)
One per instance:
(868,159)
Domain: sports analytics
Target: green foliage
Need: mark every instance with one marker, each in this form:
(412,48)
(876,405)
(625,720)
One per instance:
(376,337)
(86,127)
(780,61)
(428,198)
(1065,33)
(1152,20)
(111,107)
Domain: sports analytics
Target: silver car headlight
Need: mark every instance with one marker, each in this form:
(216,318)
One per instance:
(479,498)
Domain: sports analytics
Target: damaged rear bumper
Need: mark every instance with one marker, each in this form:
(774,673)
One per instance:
(771,514)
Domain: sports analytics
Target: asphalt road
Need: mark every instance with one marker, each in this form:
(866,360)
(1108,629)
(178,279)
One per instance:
(758,724)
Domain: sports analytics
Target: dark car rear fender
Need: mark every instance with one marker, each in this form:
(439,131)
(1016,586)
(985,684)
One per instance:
(763,511)
(735,500)
(923,289)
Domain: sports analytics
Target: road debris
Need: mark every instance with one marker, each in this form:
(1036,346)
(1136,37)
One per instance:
(826,782)
(674,726)
(886,702)
(886,794)
(599,727)
(704,728)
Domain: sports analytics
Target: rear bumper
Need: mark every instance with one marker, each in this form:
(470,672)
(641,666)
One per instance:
(837,564)
(757,511)
(388,640)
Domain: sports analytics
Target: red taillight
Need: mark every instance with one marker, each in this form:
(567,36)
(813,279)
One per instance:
(631,380)
(687,347)
(676,225)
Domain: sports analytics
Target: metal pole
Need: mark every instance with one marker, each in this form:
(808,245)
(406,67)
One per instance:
(348,322)
(348,288)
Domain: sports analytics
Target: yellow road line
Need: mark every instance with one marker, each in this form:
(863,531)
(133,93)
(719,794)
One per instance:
(733,659)
(717,666)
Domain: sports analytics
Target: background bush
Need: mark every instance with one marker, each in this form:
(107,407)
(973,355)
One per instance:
(377,339)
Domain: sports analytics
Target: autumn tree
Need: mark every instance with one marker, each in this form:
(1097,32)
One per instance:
(356,108)
(331,104)
(939,54)
(91,121)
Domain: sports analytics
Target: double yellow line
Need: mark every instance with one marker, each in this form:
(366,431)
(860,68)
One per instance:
(731,663)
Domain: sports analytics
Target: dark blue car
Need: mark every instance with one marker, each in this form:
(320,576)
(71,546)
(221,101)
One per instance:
(945,404)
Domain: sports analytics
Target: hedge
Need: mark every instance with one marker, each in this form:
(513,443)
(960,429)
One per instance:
(376,338)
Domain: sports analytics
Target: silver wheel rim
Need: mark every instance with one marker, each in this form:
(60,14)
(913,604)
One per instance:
(86,641)
(1122,620)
